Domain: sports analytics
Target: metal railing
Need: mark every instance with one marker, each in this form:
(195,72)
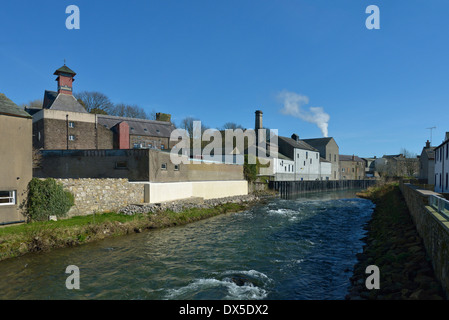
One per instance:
(439,204)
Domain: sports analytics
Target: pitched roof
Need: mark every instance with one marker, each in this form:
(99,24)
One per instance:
(344,157)
(298,144)
(7,107)
(64,69)
(65,102)
(318,142)
(141,127)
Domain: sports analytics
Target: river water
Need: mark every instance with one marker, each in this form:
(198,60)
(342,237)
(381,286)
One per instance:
(287,249)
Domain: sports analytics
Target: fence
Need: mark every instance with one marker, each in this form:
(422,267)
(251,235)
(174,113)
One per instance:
(439,204)
(288,188)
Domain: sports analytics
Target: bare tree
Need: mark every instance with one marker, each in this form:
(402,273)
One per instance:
(187,124)
(94,101)
(34,104)
(231,125)
(409,164)
(129,111)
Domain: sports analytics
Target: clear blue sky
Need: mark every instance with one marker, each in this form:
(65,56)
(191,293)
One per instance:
(221,60)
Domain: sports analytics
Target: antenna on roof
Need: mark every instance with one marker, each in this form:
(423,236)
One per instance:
(431,128)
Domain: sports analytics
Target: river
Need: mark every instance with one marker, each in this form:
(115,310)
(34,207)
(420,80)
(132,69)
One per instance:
(302,248)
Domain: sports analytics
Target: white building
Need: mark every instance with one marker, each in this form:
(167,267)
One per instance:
(305,157)
(442,166)
(325,169)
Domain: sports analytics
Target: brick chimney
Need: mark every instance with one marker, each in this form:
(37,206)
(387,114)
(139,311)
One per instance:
(295,137)
(427,144)
(65,79)
(259,124)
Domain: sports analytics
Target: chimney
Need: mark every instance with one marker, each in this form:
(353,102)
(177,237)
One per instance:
(427,144)
(258,120)
(295,137)
(163,117)
(65,79)
(446,137)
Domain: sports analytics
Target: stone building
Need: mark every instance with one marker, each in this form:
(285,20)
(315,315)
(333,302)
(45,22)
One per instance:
(329,151)
(63,123)
(15,160)
(427,164)
(352,167)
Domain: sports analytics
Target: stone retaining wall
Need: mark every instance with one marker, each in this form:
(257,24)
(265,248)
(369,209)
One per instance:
(433,229)
(100,195)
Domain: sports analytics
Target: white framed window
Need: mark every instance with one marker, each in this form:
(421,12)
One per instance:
(164,166)
(71,124)
(7,198)
(71,137)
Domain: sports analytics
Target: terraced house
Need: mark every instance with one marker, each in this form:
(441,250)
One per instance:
(15,160)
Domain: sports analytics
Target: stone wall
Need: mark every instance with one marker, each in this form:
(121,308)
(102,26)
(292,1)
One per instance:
(101,195)
(433,229)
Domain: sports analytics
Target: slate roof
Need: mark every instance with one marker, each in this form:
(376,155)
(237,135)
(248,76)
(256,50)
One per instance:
(64,102)
(344,157)
(7,107)
(64,69)
(141,127)
(300,144)
(318,142)
(430,152)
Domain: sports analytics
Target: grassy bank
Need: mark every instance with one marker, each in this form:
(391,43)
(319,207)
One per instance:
(393,245)
(43,236)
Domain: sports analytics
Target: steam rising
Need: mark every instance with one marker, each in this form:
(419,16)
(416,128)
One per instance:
(293,104)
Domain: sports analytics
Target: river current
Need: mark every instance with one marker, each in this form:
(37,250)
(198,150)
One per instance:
(302,248)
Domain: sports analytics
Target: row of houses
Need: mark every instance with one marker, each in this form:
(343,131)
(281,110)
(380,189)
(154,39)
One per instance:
(73,143)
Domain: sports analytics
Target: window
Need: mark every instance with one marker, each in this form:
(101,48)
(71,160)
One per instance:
(71,137)
(447,148)
(352,169)
(330,157)
(310,160)
(71,124)
(297,155)
(121,165)
(7,198)
(176,167)
(316,155)
(164,166)
(304,163)
(342,169)
(446,179)
(162,147)
(150,145)
(335,158)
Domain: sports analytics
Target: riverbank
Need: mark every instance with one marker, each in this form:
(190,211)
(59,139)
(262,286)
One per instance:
(18,240)
(394,246)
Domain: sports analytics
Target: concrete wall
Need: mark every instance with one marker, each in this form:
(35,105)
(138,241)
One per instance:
(102,195)
(161,192)
(15,163)
(129,164)
(433,229)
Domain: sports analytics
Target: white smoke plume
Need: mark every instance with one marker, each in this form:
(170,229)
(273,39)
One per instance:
(293,104)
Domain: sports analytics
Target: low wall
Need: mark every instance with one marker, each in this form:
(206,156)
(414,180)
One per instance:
(169,191)
(100,195)
(433,229)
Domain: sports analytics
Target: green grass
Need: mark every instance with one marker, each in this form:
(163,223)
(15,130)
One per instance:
(44,235)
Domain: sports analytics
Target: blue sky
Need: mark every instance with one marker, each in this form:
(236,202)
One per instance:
(219,61)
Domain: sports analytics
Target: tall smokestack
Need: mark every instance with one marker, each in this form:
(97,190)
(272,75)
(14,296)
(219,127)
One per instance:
(258,120)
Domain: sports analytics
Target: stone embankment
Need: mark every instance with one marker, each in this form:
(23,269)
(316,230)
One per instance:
(185,204)
(395,247)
